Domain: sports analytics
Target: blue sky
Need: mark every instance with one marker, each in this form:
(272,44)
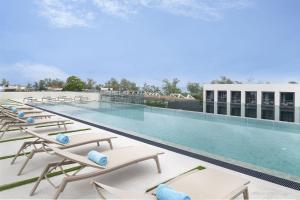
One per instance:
(149,40)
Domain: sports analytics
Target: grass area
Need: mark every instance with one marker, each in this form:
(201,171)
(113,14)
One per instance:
(198,168)
(34,179)
(11,156)
(14,129)
(54,133)
(43,126)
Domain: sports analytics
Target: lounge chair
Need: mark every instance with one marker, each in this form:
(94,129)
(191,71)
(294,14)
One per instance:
(81,99)
(49,99)
(65,99)
(21,124)
(117,159)
(197,184)
(18,106)
(4,116)
(31,100)
(25,109)
(75,141)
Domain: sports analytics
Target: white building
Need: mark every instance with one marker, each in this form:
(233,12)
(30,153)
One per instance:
(262,101)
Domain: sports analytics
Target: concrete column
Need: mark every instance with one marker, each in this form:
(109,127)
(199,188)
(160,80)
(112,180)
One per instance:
(277,105)
(297,107)
(259,96)
(228,101)
(215,101)
(297,114)
(243,102)
(204,101)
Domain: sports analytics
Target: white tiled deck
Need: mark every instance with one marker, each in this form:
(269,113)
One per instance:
(138,177)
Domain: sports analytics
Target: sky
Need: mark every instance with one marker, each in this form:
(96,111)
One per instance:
(149,40)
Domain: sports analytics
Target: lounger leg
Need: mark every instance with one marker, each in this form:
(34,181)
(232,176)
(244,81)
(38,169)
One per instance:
(3,125)
(61,188)
(110,144)
(45,171)
(58,124)
(157,164)
(20,150)
(25,163)
(4,131)
(65,126)
(98,143)
(246,194)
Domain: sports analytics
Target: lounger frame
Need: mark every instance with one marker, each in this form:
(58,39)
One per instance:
(76,177)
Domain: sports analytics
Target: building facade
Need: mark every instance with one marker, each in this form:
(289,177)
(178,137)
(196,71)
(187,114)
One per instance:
(261,101)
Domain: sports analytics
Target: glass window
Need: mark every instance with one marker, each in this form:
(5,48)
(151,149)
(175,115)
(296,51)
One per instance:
(210,96)
(236,97)
(287,106)
(267,105)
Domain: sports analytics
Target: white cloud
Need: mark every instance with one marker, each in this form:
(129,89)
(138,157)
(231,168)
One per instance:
(119,8)
(70,13)
(30,72)
(65,14)
(200,9)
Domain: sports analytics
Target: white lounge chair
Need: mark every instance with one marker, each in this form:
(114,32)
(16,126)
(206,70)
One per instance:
(117,159)
(197,184)
(21,124)
(75,141)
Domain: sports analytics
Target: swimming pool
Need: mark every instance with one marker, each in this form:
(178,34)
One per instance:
(266,146)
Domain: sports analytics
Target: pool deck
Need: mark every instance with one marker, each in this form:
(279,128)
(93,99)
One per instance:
(138,177)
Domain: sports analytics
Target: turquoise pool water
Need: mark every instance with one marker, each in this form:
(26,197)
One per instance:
(265,145)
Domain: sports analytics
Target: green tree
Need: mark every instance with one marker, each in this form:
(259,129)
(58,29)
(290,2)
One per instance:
(126,85)
(29,87)
(4,82)
(40,85)
(171,86)
(74,83)
(35,85)
(90,84)
(225,80)
(151,88)
(56,83)
(194,88)
(112,83)
(98,87)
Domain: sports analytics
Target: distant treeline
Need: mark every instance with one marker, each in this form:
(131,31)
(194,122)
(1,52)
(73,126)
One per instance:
(74,83)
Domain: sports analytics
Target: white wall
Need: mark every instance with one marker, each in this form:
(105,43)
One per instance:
(277,88)
(259,88)
(19,96)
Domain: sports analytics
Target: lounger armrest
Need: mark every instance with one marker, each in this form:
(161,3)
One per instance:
(242,190)
(107,192)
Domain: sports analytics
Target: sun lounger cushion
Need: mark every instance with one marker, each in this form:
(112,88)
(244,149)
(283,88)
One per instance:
(164,192)
(97,157)
(21,114)
(30,120)
(64,139)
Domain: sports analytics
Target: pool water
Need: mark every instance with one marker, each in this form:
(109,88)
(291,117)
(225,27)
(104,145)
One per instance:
(263,144)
